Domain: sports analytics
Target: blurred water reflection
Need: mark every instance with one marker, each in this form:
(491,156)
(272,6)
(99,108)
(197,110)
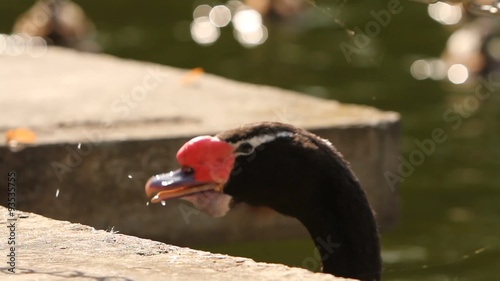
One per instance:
(249,29)
(470,51)
(484,7)
(445,13)
(58,22)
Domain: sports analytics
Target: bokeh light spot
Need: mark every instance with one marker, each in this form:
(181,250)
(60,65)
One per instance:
(420,69)
(445,13)
(458,74)
(203,31)
(220,16)
(247,21)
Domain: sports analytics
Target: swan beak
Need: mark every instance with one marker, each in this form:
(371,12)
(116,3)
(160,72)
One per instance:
(176,184)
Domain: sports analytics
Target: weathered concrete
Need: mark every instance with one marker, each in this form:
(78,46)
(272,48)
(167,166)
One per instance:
(131,117)
(48,249)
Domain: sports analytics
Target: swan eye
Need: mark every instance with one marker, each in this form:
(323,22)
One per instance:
(245,148)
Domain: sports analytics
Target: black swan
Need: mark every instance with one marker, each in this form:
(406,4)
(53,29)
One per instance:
(289,170)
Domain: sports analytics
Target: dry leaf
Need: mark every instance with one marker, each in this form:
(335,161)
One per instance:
(193,75)
(20,135)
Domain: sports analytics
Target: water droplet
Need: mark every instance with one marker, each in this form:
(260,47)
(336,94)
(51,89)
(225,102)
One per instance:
(163,203)
(147,203)
(129,176)
(165,183)
(478,251)
(57,193)
(79,145)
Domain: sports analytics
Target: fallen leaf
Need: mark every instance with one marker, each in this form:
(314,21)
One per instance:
(20,135)
(193,75)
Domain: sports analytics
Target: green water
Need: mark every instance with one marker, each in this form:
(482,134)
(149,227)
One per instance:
(450,222)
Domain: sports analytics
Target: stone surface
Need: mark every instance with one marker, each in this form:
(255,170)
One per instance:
(48,249)
(104,125)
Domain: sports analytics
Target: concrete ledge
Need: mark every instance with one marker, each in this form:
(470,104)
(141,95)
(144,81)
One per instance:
(104,125)
(48,249)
